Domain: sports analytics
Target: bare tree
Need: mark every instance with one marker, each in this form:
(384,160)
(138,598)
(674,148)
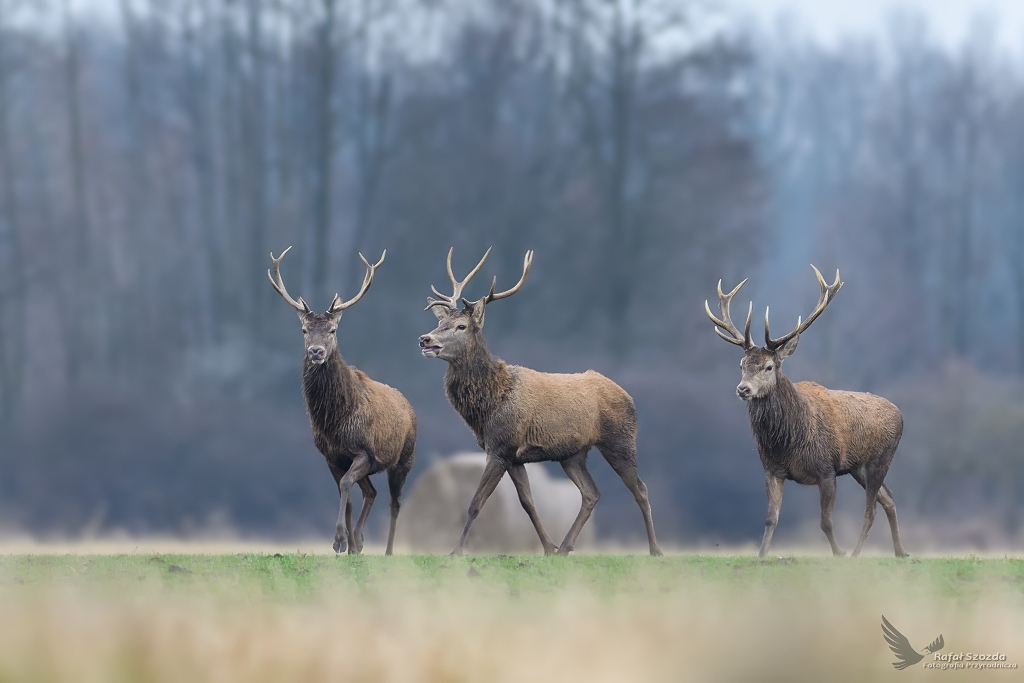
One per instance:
(609,43)
(14,284)
(327,53)
(80,317)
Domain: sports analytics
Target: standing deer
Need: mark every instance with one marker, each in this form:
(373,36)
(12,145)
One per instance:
(810,434)
(362,427)
(520,415)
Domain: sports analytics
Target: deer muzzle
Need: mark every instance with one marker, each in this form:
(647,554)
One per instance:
(428,348)
(316,354)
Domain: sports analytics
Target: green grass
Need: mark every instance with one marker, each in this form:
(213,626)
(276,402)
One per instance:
(258,618)
(295,576)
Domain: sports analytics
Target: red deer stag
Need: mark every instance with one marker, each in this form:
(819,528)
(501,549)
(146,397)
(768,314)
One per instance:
(362,427)
(810,434)
(520,415)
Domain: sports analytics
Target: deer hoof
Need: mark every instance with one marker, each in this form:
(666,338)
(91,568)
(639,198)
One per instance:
(563,551)
(455,553)
(657,553)
(340,545)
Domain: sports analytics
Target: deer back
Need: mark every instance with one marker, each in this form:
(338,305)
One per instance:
(806,430)
(863,424)
(565,412)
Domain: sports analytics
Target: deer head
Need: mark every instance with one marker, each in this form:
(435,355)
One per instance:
(760,365)
(320,329)
(459,329)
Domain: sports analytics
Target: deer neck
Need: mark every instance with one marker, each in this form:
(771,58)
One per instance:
(476,384)
(778,420)
(331,392)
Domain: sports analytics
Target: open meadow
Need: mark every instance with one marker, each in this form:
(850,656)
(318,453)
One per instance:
(310,617)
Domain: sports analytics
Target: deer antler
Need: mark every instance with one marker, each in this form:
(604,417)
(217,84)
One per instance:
(827,293)
(278,283)
(337,305)
(734,336)
(452,301)
(491,296)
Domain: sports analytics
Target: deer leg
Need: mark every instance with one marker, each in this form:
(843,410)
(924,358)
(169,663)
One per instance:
(348,523)
(576,469)
(519,477)
(773,486)
(345,511)
(623,461)
(396,481)
(360,468)
(872,483)
(356,533)
(493,472)
(888,502)
(827,492)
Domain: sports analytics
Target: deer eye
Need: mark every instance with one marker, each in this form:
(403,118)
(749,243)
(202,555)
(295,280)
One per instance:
(769,368)
(461,327)
(333,330)
(304,330)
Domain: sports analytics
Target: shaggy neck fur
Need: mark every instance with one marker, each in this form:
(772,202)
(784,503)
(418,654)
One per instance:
(476,384)
(331,392)
(778,420)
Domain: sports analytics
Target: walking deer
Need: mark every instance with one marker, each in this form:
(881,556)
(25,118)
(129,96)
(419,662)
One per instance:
(520,415)
(361,426)
(810,434)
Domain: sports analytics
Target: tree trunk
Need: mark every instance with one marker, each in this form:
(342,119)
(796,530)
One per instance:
(323,144)
(78,302)
(15,286)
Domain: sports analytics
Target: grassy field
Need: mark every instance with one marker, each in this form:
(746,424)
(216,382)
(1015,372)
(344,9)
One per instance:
(298,617)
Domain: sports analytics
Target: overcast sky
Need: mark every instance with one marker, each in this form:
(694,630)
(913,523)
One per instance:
(949,20)
(831,20)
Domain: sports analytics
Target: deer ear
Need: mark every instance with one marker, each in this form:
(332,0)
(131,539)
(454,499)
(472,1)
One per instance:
(788,348)
(476,309)
(437,308)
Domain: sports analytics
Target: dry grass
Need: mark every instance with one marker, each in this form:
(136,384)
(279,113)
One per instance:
(259,618)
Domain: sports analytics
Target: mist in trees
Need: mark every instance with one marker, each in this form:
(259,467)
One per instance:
(151,158)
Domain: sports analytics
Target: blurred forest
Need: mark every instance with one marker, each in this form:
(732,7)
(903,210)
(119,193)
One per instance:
(152,157)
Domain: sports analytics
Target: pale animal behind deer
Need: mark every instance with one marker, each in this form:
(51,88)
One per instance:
(807,433)
(520,415)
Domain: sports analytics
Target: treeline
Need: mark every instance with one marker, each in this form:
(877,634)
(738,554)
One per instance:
(155,162)
(152,157)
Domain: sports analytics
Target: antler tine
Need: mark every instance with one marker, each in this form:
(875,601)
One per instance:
(826,292)
(278,283)
(491,296)
(338,304)
(457,287)
(726,323)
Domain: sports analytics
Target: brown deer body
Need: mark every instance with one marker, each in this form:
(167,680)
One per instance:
(809,434)
(519,415)
(361,427)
